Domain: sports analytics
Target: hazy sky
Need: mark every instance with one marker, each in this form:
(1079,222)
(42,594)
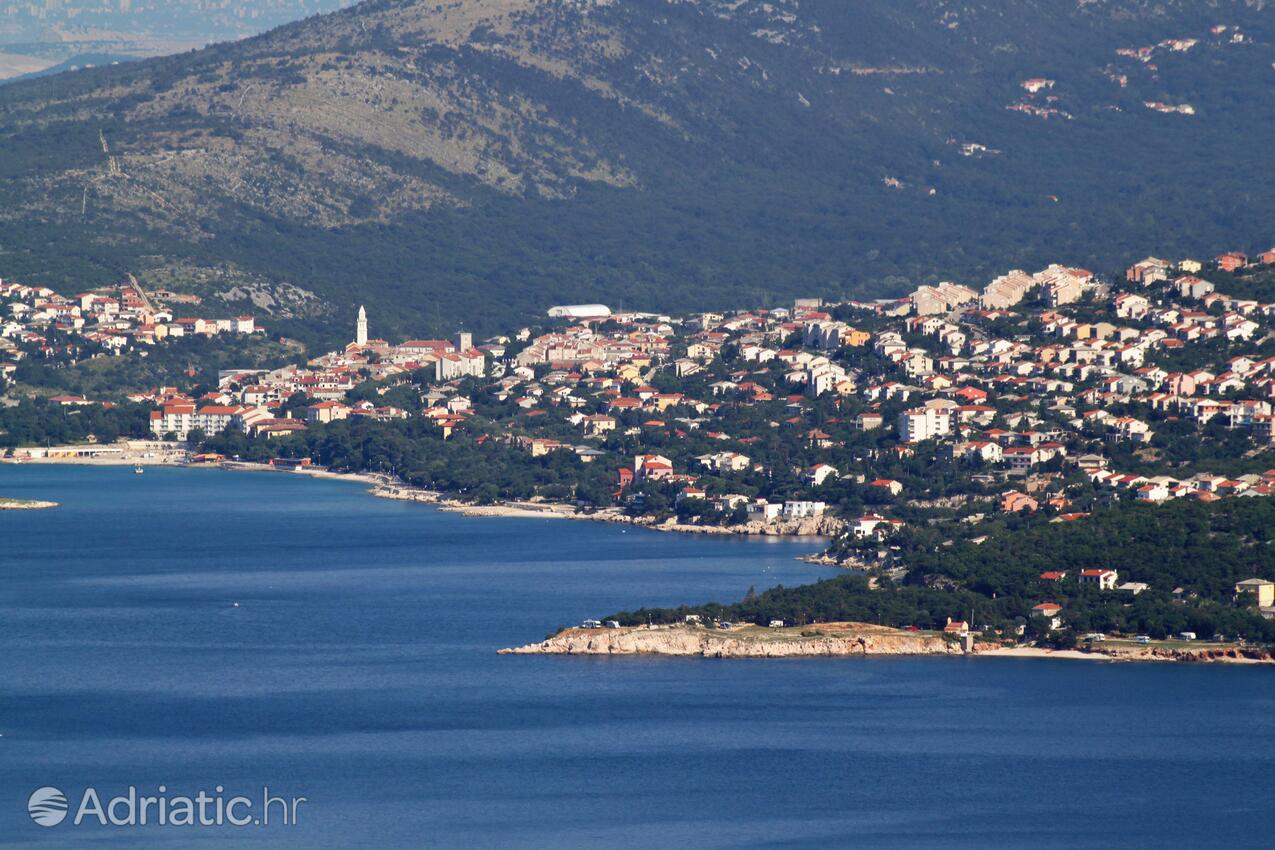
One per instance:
(52,20)
(37,35)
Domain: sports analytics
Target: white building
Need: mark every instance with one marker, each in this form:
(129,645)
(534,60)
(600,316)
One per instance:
(176,419)
(764,510)
(803,509)
(181,419)
(1104,579)
(725,461)
(580,311)
(924,423)
(819,473)
(459,364)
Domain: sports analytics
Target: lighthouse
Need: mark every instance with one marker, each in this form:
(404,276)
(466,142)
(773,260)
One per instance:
(360,329)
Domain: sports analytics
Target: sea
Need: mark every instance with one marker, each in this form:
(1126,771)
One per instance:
(267,637)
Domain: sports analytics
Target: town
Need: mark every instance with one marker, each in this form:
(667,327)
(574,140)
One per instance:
(1051,393)
(39,323)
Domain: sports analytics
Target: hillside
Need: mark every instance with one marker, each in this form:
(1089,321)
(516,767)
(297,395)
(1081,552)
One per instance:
(1201,550)
(479,160)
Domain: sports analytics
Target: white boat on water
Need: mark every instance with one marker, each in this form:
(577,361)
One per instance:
(137,470)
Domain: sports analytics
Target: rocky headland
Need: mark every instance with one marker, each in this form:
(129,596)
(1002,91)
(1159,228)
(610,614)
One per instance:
(745,641)
(853,640)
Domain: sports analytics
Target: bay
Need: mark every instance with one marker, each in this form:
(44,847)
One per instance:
(195,628)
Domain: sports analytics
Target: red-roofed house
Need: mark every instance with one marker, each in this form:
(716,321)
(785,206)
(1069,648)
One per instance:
(1104,579)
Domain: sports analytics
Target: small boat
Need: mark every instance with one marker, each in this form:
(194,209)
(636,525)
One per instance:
(137,470)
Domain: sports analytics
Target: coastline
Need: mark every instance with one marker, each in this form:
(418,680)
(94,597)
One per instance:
(745,641)
(555,510)
(1207,654)
(385,487)
(848,640)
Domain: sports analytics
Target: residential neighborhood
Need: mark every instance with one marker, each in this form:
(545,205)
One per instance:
(1051,393)
(38,323)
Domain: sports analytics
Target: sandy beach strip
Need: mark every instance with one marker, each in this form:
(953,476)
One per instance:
(385,487)
(1039,652)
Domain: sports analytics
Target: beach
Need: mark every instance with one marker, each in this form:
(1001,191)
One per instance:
(154,453)
(556,510)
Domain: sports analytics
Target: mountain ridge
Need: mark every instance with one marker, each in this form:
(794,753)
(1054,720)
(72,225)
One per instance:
(425,156)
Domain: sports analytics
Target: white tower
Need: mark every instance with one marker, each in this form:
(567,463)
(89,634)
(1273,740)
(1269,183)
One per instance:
(360,330)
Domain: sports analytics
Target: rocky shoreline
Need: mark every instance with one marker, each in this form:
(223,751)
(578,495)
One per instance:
(1123,652)
(825,639)
(847,640)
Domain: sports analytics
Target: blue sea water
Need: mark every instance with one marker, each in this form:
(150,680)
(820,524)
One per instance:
(359,670)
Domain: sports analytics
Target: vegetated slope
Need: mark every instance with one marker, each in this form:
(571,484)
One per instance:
(481,159)
(1203,549)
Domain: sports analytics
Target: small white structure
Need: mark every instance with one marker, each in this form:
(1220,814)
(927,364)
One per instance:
(360,328)
(1104,579)
(802,509)
(819,473)
(765,511)
(580,311)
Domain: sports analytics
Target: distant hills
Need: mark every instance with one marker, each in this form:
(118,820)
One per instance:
(38,36)
(74,63)
(480,160)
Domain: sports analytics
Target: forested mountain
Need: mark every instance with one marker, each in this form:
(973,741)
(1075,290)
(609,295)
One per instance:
(478,160)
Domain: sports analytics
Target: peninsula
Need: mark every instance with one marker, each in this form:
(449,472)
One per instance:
(849,639)
(743,641)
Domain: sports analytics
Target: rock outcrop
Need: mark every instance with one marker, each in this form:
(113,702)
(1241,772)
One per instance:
(846,640)
(1224,654)
(25,505)
(826,639)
